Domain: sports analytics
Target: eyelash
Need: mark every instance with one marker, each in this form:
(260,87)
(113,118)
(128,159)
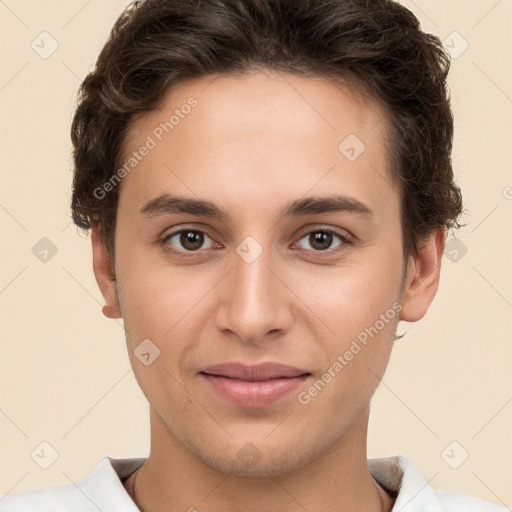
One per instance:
(186,254)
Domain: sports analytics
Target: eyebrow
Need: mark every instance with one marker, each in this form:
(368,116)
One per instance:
(168,204)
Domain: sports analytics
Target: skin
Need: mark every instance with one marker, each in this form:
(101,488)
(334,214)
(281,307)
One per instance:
(251,145)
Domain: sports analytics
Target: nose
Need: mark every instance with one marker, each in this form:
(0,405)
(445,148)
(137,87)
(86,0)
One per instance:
(254,299)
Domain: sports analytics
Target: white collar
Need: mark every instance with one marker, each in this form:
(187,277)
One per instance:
(395,474)
(103,489)
(400,475)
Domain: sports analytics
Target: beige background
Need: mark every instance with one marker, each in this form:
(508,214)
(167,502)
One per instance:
(65,377)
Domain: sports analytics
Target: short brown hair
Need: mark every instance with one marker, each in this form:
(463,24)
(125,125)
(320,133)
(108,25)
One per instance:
(155,44)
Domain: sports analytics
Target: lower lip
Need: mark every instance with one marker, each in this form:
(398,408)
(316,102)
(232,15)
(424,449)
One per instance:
(254,393)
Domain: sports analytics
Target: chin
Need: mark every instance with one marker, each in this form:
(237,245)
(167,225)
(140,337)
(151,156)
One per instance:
(258,458)
(265,467)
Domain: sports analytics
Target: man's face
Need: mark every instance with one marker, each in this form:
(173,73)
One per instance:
(258,286)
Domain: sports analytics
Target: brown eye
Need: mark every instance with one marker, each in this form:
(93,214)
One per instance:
(186,240)
(322,239)
(191,240)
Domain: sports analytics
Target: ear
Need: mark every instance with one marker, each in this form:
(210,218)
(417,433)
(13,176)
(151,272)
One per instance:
(103,272)
(423,272)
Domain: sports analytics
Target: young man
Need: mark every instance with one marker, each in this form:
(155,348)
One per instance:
(268,184)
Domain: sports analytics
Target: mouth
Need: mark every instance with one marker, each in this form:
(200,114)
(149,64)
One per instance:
(259,372)
(253,386)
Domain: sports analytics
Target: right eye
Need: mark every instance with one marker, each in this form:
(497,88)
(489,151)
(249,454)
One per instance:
(191,240)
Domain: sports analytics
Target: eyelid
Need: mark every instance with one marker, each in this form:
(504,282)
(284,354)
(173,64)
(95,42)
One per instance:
(342,233)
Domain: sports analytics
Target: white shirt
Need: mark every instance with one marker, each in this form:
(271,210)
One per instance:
(103,490)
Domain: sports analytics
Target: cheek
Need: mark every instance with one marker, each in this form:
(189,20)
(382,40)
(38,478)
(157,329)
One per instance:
(358,302)
(356,353)
(351,296)
(159,307)
(163,304)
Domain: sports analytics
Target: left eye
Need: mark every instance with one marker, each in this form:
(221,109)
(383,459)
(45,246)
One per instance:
(321,239)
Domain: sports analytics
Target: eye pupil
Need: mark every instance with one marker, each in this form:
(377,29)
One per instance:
(191,237)
(321,240)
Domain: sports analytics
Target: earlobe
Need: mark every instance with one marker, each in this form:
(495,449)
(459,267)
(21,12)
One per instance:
(103,272)
(423,274)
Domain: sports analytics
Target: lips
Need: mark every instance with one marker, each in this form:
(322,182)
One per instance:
(262,371)
(253,386)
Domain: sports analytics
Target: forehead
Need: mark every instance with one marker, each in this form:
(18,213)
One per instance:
(263,96)
(263,134)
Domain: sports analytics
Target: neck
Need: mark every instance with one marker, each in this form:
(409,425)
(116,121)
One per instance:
(172,478)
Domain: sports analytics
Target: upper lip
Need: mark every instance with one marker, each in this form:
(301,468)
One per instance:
(262,371)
